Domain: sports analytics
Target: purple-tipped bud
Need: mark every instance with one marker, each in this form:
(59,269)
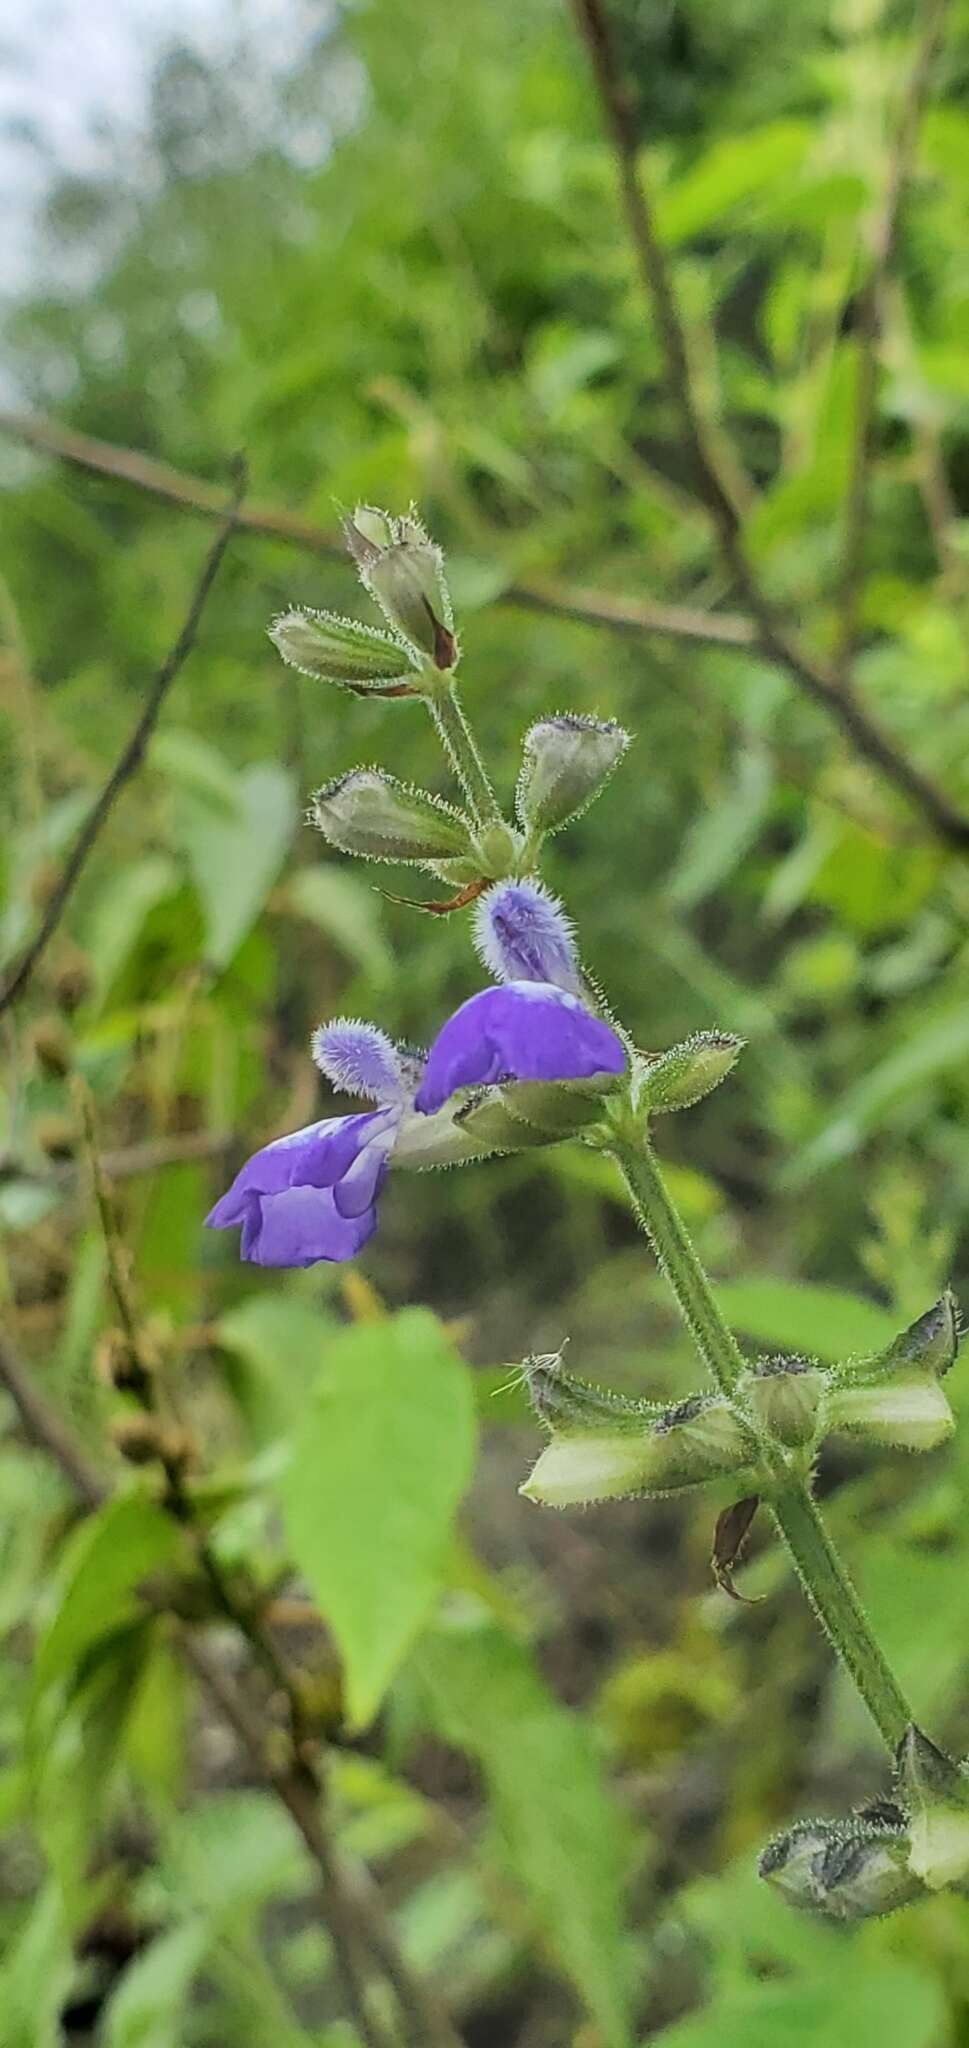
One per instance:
(373,815)
(566,761)
(359,1059)
(523,934)
(403,569)
(341,651)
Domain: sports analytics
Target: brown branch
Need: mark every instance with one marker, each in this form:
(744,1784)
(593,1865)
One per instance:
(813,677)
(128,760)
(759,630)
(870,315)
(193,494)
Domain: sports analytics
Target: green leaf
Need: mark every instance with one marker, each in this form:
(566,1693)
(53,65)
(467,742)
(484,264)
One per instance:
(918,1060)
(854,2002)
(126,899)
(148,2009)
(235,857)
(732,172)
(559,1829)
(346,910)
(102,1563)
(280,1344)
(380,1462)
(797,1315)
(723,835)
(35,1976)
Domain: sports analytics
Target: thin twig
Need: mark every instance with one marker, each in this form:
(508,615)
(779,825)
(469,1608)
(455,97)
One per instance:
(816,680)
(128,760)
(869,322)
(761,631)
(193,494)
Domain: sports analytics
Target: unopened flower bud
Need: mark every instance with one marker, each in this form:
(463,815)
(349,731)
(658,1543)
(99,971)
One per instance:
(522,933)
(566,761)
(699,1439)
(404,572)
(561,1401)
(936,1792)
(683,1075)
(929,1344)
(785,1395)
(52,1048)
(910,1414)
(372,814)
(57,1137)
(341,651)
(139,1438)
(73,980)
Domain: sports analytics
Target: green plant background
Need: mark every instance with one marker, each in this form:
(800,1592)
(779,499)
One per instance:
(400,272)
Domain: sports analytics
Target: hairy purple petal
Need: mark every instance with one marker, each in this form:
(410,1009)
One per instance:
(523,934)
(526,1031)
(359,1059)
(316,1157)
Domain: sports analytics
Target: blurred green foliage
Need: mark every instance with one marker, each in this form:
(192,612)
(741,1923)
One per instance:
(398,271)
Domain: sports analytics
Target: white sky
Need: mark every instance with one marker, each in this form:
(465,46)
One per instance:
(70,66)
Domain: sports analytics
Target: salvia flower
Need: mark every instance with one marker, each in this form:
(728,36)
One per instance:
(525,1031)
(313,1195)
(522,933)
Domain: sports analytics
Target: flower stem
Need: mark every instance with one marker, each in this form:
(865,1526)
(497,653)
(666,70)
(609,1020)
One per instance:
(461,749)
(789,1498)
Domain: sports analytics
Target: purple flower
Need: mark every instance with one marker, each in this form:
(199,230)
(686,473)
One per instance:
(525,1031)
(522,933)
(313,1195)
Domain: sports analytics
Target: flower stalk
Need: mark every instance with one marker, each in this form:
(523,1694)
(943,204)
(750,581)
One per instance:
(783,1487)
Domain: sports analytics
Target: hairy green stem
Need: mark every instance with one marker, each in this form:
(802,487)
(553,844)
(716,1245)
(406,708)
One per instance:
(461,749)
(818,1566)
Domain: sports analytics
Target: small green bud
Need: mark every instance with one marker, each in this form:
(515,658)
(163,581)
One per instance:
(929,1344)
(370,813)
(785,1396)
(566,761)
(910,1414)
(403,569)
(936,1792)
(499,848)
(697,1440)
(682,1076)
(341,651)
(562,1402)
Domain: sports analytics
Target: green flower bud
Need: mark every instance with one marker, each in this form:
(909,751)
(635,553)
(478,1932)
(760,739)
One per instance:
(403,570)
(936,1792)
(785,1396)
(562,1402)
(372,814)
(341,651)
(911,1414)
(929,1344)
(680,1447)
(682,1076)
(566,761)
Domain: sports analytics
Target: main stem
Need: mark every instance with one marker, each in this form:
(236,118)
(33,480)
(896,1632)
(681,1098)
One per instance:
(791,1503)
